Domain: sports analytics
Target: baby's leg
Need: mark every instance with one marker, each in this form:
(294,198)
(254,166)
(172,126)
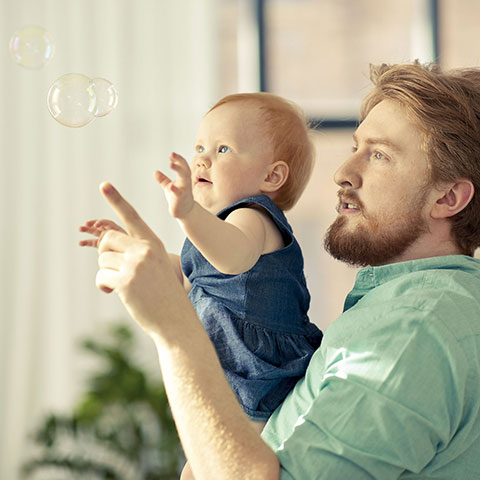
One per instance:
(187,473)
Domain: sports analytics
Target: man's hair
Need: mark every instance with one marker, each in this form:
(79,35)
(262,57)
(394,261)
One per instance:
(286,127)
(445,106)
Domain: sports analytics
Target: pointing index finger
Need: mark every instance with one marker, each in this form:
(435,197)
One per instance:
(132,221)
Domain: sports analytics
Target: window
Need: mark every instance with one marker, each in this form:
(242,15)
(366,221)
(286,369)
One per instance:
(317,52)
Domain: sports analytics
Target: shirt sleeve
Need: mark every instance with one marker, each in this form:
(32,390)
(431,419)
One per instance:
(386,402)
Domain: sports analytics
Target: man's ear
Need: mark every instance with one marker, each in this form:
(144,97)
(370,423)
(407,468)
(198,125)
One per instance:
(277,175)
(453,199)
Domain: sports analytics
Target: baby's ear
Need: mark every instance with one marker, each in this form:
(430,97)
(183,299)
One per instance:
(277,175)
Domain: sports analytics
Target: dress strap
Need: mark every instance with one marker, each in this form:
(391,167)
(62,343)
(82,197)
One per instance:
(267,204)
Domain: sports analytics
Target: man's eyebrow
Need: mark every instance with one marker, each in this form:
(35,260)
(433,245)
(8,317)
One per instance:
(380,141)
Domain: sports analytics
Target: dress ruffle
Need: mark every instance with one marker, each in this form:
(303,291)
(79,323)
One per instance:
(261,364)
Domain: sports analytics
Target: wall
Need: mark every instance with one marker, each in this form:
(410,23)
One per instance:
(160,55)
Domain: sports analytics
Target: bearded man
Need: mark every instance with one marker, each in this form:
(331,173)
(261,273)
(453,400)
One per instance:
(393,392)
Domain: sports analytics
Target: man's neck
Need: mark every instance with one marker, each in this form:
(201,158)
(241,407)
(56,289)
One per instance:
(435,243)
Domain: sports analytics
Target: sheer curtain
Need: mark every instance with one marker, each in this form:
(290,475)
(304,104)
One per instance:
(161,56)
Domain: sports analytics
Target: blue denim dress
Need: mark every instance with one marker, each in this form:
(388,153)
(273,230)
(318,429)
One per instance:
(257,320)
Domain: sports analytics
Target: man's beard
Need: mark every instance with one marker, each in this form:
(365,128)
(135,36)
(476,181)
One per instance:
(375,241)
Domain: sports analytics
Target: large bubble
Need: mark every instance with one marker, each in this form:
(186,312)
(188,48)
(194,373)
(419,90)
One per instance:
(71,100)
(74,100)
(106,96)
(32,46)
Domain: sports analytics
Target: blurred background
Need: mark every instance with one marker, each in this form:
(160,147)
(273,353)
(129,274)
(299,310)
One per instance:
(169,61)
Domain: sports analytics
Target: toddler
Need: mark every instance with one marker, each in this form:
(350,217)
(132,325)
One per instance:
(240,262)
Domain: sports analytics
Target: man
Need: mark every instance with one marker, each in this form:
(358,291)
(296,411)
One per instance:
(394,390)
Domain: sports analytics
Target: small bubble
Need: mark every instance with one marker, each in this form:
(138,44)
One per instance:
(71,100)
(106,95)
(32,47)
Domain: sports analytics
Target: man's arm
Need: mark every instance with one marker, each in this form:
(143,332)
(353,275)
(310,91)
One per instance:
(217,436)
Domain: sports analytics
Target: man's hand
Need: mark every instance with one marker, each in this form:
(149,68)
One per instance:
(135,265)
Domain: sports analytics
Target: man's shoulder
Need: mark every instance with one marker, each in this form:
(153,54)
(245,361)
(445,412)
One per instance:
(442,299)
(432,281)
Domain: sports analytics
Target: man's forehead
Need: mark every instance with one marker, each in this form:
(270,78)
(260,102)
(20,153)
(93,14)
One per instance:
(388,124)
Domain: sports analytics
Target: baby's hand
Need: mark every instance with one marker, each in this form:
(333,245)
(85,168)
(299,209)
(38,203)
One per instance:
(179,192)
(96,228)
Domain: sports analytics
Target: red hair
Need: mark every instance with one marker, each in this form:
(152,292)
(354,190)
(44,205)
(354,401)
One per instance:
(286,127)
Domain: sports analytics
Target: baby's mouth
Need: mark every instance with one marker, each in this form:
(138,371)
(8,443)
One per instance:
(203,180)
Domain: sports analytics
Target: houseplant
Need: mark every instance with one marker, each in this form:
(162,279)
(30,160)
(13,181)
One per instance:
(121,427)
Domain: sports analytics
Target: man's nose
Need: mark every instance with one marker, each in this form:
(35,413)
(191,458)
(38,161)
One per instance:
(348,175)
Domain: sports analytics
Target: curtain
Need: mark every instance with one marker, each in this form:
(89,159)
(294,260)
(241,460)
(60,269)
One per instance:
(161,57)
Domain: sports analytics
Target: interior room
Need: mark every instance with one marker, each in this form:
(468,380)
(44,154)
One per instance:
(167,62)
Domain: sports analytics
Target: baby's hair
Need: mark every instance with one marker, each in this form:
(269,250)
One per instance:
(286,126)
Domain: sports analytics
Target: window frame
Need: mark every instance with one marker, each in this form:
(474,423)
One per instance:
(329,123)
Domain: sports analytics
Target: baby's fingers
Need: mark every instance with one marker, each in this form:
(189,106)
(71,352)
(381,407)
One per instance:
(180,165)
(162,179)
(89,243)
(103,225)
(90,229)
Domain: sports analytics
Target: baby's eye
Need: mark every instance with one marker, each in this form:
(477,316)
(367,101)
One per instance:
(223,149)
(354,148)
(199,149)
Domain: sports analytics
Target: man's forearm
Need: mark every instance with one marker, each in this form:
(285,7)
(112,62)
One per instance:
(217,437)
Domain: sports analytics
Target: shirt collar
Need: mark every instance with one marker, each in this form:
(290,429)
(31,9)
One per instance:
(369,278)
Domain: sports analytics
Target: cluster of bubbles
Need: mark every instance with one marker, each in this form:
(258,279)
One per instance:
(74,100)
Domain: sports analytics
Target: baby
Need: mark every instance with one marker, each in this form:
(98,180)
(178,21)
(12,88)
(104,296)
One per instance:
(240,263)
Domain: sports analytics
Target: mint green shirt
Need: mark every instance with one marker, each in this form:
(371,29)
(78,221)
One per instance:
(393,392)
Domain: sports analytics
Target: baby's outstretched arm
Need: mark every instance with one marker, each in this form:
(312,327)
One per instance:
(232,246)
(97,227)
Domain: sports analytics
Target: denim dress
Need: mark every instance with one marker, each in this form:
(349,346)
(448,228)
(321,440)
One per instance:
(257,320)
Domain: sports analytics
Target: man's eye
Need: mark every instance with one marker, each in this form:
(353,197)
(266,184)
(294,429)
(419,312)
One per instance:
(354,149)
(223,149)
(379,155)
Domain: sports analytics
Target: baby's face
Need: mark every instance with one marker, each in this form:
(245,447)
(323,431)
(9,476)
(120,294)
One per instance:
(232,156)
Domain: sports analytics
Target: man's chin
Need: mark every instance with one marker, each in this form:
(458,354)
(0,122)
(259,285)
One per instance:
(362,246)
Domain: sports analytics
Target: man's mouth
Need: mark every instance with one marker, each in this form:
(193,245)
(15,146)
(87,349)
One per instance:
(347,207)
(348,203)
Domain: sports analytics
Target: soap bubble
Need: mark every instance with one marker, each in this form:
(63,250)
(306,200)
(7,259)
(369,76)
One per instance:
(71,100)
(106,96)
(32,47)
